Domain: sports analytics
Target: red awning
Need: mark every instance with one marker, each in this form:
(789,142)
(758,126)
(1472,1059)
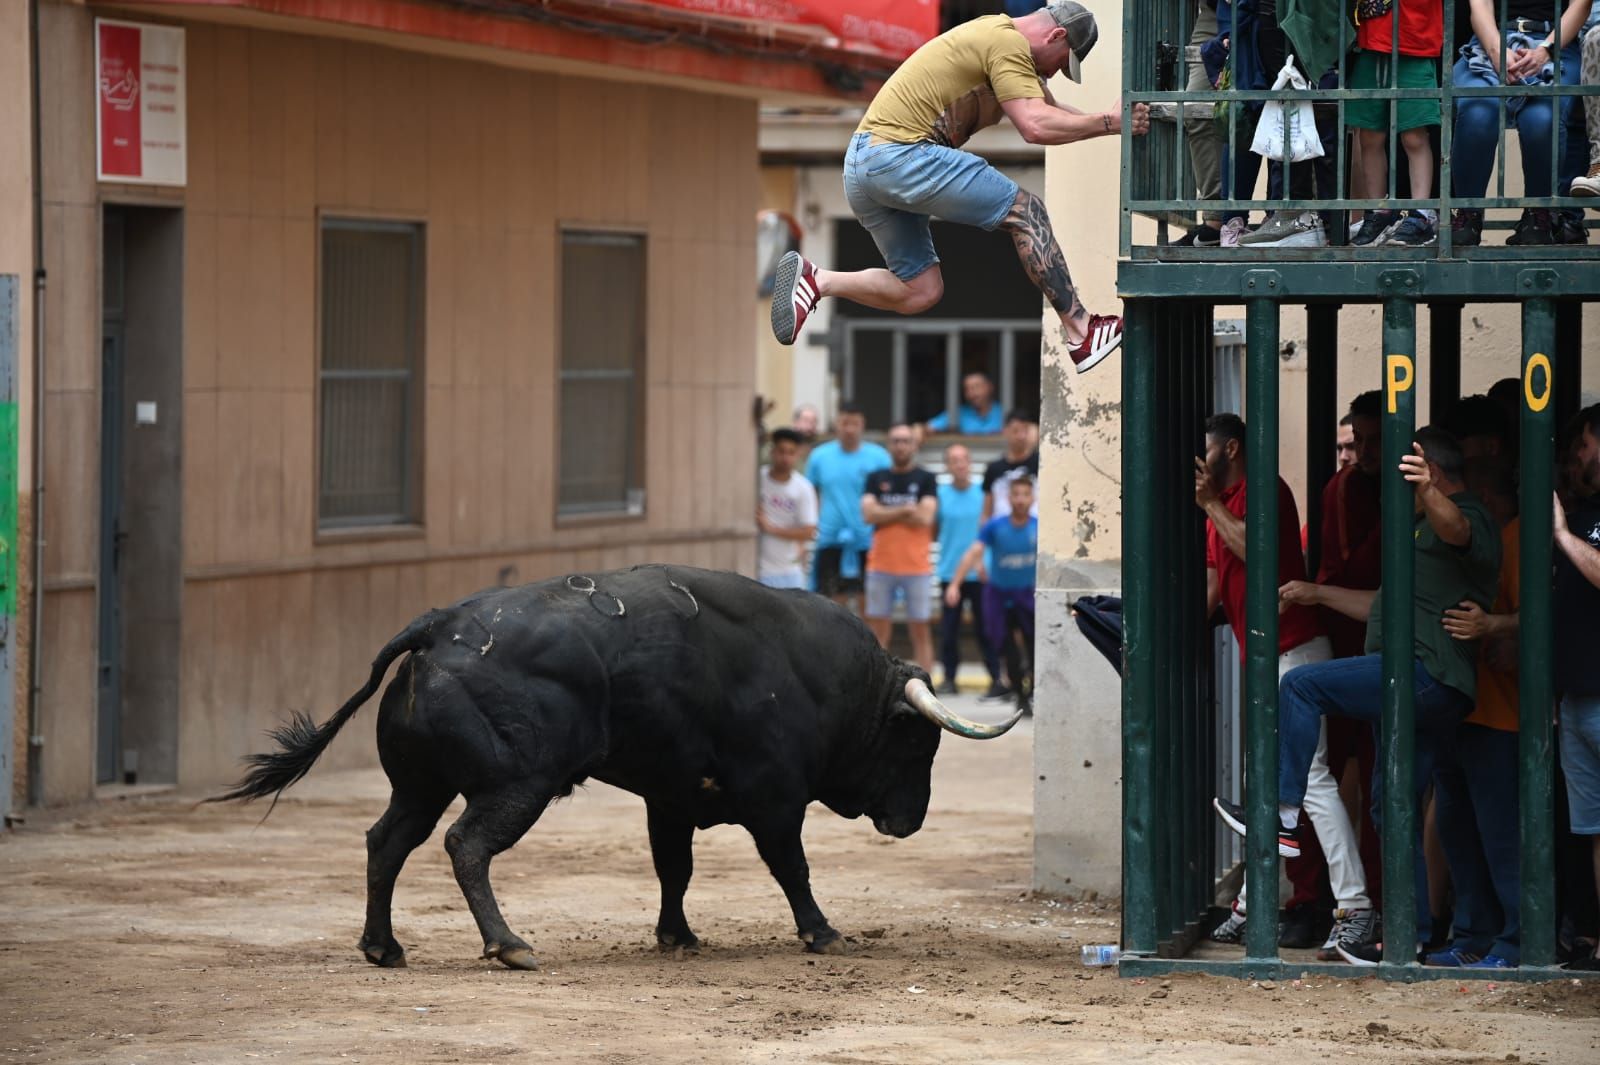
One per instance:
(830,48)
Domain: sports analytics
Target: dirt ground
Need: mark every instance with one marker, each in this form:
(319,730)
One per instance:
(153,931)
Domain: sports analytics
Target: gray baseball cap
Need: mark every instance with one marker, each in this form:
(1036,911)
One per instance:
(1082,32)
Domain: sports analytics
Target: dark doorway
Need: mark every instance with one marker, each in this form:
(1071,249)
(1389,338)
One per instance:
(141,494)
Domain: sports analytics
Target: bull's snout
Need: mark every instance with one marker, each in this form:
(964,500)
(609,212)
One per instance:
(898,827)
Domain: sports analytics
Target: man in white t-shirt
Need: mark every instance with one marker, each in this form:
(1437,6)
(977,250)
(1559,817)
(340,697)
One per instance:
(786,514)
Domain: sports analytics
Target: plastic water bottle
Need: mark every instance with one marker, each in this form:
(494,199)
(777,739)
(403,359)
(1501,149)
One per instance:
(1099,956)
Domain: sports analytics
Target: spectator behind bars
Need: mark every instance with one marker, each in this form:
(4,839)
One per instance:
(1531,42)
(1219,490)
(978,415)
(1475,778)
(960,512)
(1481,425)
(1351,557)
(786,515)
(1415,67)
(1456,552)
(1580,169)
(1575,615)
(839,471)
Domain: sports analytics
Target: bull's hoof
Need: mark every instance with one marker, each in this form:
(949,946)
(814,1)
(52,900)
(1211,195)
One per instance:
(826,941)
(517,957)
(388,955)
(685,942)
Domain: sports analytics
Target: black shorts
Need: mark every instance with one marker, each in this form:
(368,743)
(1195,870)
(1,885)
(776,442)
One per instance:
(829,582)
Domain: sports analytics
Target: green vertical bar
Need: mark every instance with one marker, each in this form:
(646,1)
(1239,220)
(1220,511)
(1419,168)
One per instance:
(1192,805)
(1397,746)
(1447,111)
(1536,692)
(8,534)
(1322,417)
(1261,617)
(1169,733)
(1140,674)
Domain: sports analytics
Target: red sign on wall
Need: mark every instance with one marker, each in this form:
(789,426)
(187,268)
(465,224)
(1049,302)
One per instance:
(140,117)
(891,28)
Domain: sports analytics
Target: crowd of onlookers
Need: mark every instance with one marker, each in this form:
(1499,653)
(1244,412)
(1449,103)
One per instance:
(868,526)
(1529,42)
(1464,615)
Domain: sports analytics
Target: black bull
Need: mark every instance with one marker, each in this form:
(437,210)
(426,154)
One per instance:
(716,700)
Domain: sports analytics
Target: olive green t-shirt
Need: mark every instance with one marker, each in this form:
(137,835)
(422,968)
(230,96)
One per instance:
(954,85)
(1445,575)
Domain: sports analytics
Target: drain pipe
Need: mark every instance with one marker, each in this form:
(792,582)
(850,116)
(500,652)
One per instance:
(36,624)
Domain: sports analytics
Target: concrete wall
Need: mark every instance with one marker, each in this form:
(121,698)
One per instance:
(493,161)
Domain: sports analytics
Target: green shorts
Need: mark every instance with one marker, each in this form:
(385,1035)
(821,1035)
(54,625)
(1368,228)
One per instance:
(1376,70)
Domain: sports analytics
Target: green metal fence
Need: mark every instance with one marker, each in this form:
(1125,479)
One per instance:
(1158,180)
(1169,298)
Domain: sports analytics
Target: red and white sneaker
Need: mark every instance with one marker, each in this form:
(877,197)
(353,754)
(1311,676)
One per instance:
(1103,336)
(794,296)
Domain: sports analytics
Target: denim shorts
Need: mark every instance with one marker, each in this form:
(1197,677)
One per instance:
(894,189)
(1580,761)
(882,588)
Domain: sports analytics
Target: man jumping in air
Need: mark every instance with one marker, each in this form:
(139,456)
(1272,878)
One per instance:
(904,167)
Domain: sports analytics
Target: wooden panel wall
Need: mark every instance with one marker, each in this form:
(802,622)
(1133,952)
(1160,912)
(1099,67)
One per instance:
(492,161)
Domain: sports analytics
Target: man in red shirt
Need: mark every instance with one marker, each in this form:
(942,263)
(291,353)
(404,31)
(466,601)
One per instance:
(1219,490)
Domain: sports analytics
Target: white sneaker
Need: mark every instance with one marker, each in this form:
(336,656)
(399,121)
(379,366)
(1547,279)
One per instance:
(1589,184)
(1232,230)
(1287,230)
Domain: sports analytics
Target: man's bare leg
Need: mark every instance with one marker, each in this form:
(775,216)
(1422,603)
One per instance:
(879,288)
(881,628)
(1029,226)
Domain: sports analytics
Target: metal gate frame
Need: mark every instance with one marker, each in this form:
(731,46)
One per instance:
(1167,718)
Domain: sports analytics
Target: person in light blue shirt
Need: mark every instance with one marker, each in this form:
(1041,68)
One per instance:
(839,470)
(960,511)
(979,415)
(1013,543)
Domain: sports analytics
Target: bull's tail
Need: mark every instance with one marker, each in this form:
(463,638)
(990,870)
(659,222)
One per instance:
(302,741)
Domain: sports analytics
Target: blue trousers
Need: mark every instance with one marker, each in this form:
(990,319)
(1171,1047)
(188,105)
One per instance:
(1476,802)
(1477,131)
(1353,687)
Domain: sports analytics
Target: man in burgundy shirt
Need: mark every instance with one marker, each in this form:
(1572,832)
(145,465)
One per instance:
(1352,553)
(1219,490)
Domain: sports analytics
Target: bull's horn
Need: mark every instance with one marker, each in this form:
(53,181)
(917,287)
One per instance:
(929,706)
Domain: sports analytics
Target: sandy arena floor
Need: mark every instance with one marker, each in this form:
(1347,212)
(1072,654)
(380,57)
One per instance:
(153,931)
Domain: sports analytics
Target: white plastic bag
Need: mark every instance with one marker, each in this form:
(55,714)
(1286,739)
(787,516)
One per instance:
(1288,128)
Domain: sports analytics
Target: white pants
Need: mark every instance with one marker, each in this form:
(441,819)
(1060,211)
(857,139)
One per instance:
(1326,809)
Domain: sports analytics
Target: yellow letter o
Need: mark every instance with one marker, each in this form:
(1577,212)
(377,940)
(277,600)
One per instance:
(1542,400)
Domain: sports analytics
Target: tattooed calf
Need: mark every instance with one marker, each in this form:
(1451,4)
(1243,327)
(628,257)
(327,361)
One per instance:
(1029,226)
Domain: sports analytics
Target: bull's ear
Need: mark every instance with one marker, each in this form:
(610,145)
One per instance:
(902,708)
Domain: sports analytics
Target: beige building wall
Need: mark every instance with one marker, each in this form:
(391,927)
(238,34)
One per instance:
(493,161)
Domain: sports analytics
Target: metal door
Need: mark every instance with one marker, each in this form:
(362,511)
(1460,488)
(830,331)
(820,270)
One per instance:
(109,733)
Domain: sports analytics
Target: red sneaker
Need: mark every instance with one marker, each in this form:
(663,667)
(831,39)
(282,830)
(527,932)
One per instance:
(1103,336)
(795,295)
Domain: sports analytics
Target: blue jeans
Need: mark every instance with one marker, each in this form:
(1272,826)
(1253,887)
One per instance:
(1478,121)
(893,189)
(1353,687)
(1475,803)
